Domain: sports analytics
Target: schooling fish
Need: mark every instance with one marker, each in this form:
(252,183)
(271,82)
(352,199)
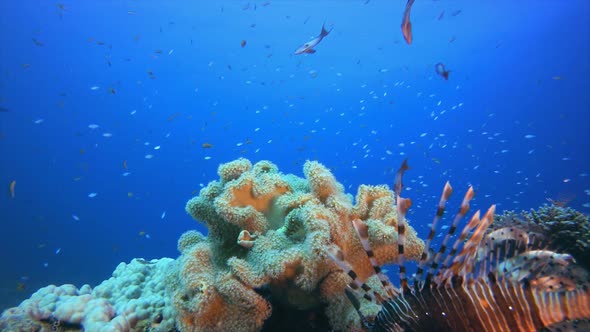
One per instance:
(406,24)
(488,280)
(309,46)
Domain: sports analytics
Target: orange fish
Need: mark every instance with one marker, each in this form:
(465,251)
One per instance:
(406,24)
(11,188)
(207,145)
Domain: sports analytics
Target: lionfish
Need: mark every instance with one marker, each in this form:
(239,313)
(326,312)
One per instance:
(489,280)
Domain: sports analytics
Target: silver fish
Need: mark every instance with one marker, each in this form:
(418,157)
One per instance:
(309,46)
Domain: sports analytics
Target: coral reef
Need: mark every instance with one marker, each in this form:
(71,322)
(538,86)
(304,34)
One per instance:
(561,229)
(268,234)
(133,299)
(265,255)
(264,265)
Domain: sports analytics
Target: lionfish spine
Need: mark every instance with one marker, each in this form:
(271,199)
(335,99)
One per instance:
(463,209)
(464,262)
(338,257)
(403,205)
(363,233)
(446,194)
(441,252)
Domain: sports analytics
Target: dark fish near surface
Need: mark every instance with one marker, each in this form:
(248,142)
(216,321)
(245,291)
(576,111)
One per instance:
(488,281)
(441,70)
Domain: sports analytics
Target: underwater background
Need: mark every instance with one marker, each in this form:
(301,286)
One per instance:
(114,113)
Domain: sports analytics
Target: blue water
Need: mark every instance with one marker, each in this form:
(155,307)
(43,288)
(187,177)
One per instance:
(361,104)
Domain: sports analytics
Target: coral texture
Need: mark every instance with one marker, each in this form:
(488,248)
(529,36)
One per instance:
(133,299)
(268,234)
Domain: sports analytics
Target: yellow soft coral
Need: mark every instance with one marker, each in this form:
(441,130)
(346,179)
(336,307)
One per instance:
(211,299)
(270,230)
(249,200)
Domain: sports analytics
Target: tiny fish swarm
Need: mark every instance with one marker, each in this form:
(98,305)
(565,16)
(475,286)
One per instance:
(489,280)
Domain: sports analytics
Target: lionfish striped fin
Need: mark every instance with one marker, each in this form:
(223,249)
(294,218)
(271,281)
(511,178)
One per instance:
(555,307)
(509,233)
(446,194)
(502,243)
(570,326)
(463,209)
(398,184)
(338,257)
(467,257)
(403,205)
(533,263)
(357,305)
(363,233)
(554,283)
(475,220)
